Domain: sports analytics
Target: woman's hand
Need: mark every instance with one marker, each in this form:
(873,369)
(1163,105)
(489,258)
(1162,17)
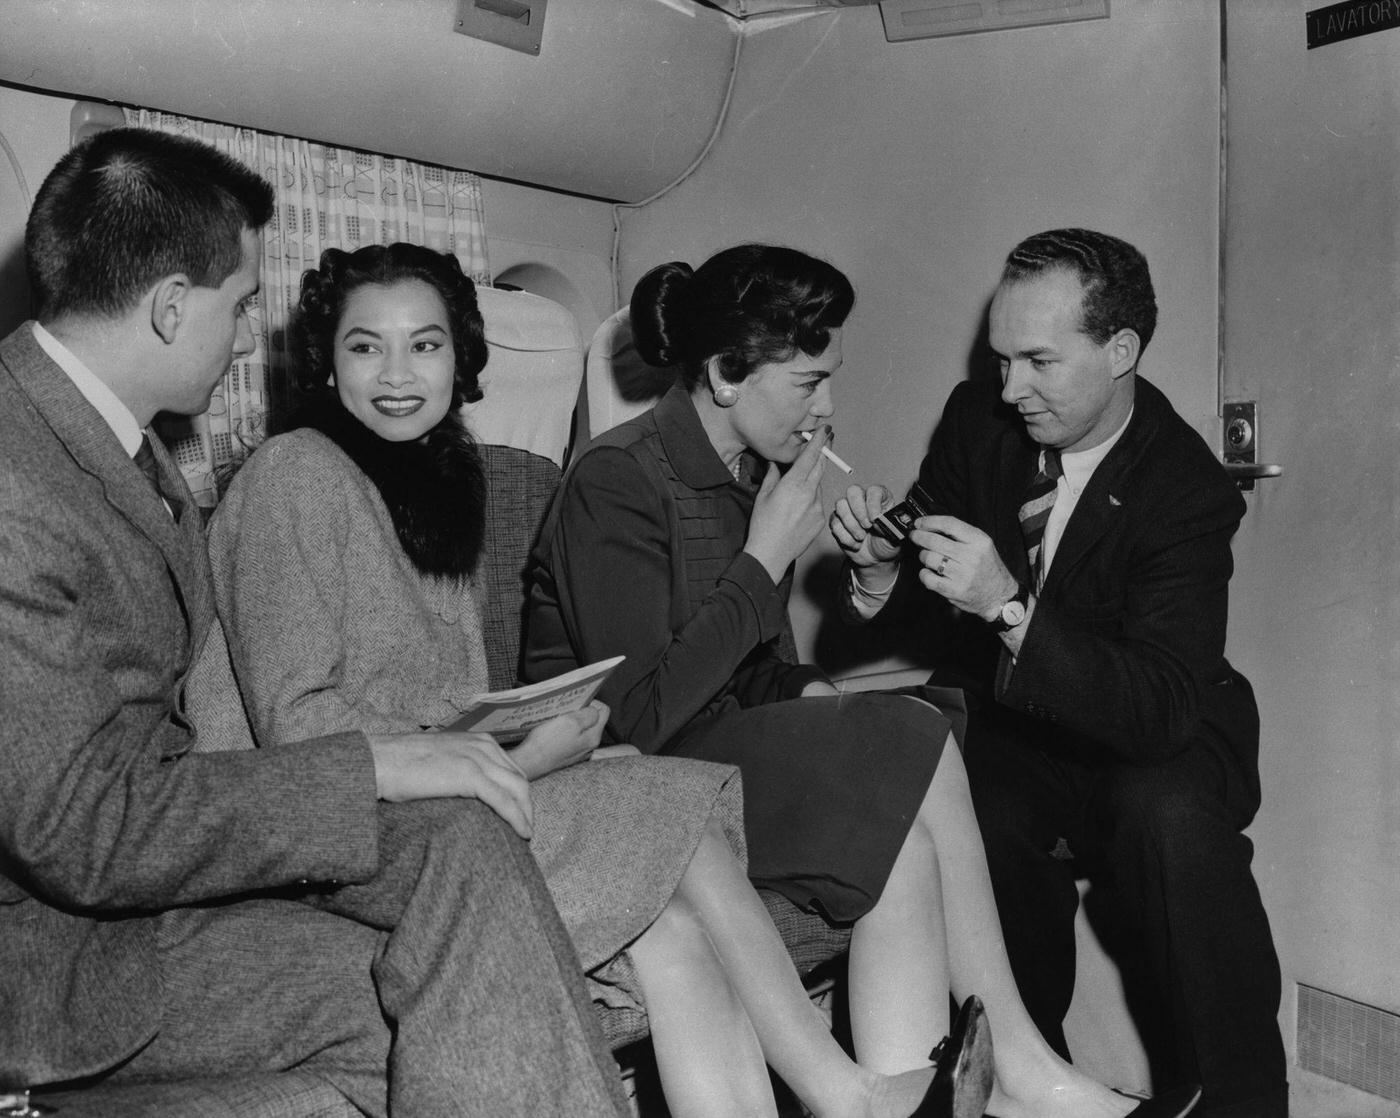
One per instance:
(851,526)
(788,513)
(562,741)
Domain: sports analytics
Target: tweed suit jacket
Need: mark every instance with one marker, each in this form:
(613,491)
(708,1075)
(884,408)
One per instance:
(107,815)
(1124,657)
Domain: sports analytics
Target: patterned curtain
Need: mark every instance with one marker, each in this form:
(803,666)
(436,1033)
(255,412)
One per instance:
(325,198)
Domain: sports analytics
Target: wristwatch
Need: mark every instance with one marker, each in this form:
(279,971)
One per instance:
(1012,612)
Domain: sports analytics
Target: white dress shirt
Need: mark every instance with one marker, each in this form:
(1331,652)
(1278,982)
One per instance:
(117,414)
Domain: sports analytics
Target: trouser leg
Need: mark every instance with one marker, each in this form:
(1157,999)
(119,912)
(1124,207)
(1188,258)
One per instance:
(267,985)
(1179,869)
(477,975)
(1024,806)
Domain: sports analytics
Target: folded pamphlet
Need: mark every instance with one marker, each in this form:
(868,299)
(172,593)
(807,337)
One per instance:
(510,715)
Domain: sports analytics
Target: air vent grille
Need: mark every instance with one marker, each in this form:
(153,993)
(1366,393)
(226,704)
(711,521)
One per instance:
(927,19)
(1349,1041)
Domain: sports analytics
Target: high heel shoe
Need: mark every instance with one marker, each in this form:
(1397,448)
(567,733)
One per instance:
(1176,1103)
(963,1082)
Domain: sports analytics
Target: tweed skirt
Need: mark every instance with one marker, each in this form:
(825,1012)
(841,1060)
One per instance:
(613,838)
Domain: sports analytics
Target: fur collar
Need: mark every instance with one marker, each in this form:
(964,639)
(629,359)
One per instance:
(435,488)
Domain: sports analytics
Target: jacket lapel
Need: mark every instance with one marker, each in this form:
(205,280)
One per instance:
(96,451)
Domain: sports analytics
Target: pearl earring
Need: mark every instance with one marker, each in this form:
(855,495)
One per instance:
(726,396)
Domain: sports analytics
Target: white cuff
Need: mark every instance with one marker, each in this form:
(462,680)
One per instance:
(867,603)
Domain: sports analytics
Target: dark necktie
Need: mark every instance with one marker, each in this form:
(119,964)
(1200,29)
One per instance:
(1035,510)
(146,462)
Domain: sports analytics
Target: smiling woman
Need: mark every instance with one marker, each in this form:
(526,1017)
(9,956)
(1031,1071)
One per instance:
(394,359)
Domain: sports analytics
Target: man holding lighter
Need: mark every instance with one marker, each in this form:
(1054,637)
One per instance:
(1082,531)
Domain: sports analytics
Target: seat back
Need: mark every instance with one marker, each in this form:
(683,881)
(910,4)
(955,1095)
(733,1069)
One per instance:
(532,376)
(620,384)
(531,383)
(519,487)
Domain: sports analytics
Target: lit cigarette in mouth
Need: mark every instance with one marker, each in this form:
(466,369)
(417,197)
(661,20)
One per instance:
(831,455)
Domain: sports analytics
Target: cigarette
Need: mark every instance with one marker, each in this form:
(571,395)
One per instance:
(831,455)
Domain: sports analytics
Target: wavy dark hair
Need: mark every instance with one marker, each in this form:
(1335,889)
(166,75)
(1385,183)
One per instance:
(1117,284)
(130,205)
(435,487)
(745,306)
(324,291)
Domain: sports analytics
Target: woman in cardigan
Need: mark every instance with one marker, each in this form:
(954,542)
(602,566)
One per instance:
(672,541)
(344,558)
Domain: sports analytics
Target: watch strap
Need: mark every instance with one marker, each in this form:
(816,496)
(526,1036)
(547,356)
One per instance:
(999,623)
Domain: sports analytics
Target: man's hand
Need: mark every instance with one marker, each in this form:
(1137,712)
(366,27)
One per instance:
(562,741)
(961,563)
(449,764)
(873,556)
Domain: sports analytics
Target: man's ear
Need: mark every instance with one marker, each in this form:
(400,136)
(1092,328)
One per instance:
(167,302)
(1123,350)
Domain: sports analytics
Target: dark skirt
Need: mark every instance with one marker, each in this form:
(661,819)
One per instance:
(831,788)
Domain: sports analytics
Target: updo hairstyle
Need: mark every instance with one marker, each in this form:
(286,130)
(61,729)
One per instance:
(746,306)
(324,291)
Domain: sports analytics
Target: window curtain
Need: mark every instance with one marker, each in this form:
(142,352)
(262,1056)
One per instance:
(326,197)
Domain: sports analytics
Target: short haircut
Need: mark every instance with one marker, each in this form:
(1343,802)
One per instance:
(745,306)
(1117,285)
(130,205)
(325,289)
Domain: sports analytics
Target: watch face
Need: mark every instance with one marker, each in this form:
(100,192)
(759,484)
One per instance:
(1013,613)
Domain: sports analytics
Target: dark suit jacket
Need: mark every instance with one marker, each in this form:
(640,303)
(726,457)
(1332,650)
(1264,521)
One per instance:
(1124,657)
(106,816)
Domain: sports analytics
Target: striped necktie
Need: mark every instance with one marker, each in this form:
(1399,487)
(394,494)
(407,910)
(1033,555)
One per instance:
(1035,510)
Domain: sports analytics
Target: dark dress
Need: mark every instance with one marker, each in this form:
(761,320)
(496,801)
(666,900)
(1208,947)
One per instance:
(642,555)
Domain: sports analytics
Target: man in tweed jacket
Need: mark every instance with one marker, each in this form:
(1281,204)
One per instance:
(166,912)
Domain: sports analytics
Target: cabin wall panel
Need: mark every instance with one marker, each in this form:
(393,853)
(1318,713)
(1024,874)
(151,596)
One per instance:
(36,128)
(1312,332)
(527,227)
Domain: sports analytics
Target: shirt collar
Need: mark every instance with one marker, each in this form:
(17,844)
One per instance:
(687,445)
(116,414)
(1080,465)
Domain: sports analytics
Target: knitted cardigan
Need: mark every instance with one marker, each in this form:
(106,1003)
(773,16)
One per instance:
(306,565)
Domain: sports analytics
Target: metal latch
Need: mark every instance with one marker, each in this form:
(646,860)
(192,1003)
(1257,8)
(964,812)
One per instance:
(1241,436)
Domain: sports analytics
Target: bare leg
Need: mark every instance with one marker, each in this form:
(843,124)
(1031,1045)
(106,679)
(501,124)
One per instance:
(716,907)
(706,1051)
(1032,1080)
(898,967)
